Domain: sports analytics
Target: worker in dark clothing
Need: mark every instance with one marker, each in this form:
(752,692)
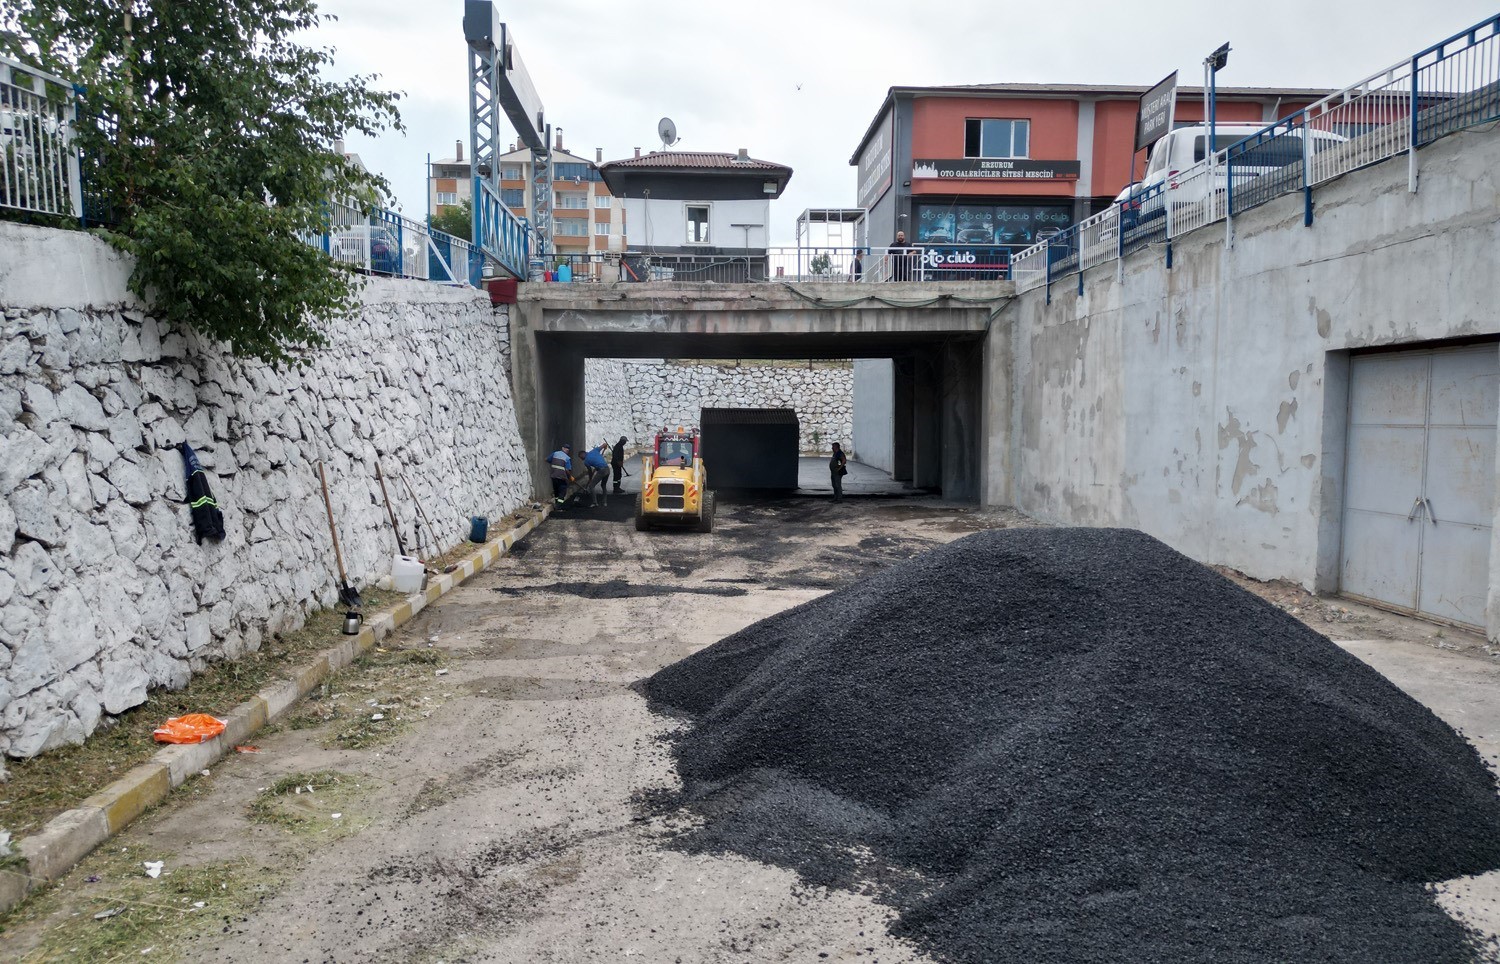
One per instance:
(838,467)
(617,461)
(561,468)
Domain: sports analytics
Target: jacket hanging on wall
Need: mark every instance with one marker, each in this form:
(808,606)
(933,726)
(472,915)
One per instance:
(208,521)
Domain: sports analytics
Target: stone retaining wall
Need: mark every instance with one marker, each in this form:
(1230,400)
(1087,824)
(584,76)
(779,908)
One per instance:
(671,393)
(103,591)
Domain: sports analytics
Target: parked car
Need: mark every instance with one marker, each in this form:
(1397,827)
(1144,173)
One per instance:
(1175,158)
(976,234)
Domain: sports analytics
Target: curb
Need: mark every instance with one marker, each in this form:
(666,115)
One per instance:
(70,836)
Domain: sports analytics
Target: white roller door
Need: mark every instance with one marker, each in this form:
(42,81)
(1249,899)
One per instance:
(1419,498)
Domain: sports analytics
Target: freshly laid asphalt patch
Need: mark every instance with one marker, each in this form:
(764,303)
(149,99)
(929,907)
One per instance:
(1079,745)
(618,589)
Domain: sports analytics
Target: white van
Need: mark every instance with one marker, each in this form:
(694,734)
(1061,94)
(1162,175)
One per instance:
(1175,159)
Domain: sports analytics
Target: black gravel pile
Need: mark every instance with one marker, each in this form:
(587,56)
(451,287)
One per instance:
(1079,745)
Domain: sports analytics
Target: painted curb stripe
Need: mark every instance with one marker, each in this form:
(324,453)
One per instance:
(70,836)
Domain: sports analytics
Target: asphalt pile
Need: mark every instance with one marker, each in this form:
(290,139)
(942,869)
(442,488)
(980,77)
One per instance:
(1080,745)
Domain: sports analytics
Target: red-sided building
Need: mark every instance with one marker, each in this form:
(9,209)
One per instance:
(999,163)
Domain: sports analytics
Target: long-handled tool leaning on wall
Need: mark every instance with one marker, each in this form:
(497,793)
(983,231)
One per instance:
(348,595)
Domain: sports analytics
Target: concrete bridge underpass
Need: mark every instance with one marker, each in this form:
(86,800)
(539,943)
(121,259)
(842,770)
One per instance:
(934,333)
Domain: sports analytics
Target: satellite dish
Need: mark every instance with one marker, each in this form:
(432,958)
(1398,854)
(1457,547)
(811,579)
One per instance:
(667,131)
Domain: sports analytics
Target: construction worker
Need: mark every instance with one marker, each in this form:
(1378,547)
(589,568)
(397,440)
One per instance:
(838,467)
(598,465)
(617,462)
(561,463)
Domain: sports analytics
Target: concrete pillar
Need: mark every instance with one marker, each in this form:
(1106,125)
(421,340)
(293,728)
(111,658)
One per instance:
(903,408)
(996,432)
(961,406)
(927,421)
(547,387)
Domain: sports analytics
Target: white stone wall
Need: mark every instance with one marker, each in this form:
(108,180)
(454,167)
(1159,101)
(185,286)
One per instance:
(607,402)
(103,591)
(667,393)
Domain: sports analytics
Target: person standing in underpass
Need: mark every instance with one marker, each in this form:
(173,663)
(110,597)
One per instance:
(617,462)
(838,467)
(561,469)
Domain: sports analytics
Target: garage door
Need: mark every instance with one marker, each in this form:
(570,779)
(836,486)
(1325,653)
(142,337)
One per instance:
(1420,494)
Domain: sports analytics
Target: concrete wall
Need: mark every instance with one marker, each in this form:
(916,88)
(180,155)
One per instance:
(103,591)
(607,402)
(1205,404)
(874,413)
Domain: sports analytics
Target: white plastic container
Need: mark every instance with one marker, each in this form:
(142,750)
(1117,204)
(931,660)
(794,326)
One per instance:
(406,574)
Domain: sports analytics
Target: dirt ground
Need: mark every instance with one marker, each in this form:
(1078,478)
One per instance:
(493,814)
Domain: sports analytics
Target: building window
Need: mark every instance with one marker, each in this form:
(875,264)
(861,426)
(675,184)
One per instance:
(601,228)
(570,227)
(573,171)
(513,197)
(697,223)
(510,172)
(447,197)
(602,200)
(986,137)
(571,201)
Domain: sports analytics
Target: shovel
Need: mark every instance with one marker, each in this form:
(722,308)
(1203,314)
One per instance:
(348,595)
(400,545)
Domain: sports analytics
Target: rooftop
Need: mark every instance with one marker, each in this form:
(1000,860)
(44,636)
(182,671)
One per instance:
(696,161)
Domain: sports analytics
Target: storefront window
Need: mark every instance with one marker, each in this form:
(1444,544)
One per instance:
(970,223)
(990,137)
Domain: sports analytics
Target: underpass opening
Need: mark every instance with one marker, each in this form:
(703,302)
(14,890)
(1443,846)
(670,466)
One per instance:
(769,425)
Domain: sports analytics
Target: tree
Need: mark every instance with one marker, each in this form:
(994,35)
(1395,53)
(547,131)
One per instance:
(456,219)
(208,133)
(821,264)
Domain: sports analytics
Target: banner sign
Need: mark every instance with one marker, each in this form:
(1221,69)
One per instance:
(995,223)
(1154,116)
(875,164)
(966,262)
(996,169)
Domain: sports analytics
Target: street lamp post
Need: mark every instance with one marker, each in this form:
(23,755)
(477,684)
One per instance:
(1212,64)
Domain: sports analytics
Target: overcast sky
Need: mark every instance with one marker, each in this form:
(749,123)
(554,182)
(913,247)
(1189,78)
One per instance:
(798,83)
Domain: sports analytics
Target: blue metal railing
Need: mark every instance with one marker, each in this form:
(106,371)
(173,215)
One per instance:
(498,232)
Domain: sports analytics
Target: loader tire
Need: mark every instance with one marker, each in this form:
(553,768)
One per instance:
(706,514)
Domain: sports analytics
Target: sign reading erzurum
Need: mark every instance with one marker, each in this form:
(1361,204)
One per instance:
(995,169)
(875,165)
(1154,117)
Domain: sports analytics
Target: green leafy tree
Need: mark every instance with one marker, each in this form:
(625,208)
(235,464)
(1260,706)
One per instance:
(209,134)
(821,264)
(456,219)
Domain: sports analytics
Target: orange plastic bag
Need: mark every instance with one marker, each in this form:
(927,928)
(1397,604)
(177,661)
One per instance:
(193,728)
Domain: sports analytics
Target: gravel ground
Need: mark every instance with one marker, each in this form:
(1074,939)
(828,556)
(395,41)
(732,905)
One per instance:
(1068,744)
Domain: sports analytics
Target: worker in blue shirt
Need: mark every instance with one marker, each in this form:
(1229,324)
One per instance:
(597,462)
(561,463)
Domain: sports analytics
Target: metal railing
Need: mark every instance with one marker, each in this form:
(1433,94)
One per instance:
(384,242)
(846,265)
(1445,88)
(39,170)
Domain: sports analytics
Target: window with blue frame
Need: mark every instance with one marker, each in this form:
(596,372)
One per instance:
(513,197)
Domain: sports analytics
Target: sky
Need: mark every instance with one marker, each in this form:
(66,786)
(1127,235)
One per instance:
(798,83)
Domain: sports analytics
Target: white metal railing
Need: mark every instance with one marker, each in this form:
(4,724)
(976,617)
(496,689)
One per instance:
(38,163)
(1450,86)
(865,265)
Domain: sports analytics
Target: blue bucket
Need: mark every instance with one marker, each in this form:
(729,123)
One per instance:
(479,528)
